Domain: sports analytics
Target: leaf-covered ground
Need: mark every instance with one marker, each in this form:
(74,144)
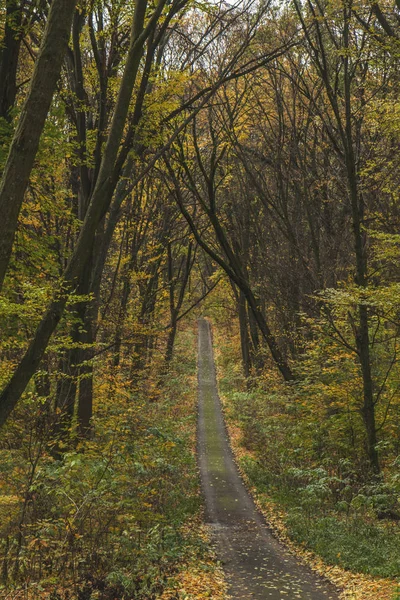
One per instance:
(119,518)
(354,586)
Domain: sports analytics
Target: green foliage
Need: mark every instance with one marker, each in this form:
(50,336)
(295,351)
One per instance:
(114,516)
(305,444)
(353,544)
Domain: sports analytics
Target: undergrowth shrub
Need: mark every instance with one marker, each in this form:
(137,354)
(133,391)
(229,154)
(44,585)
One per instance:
(110,517)
(305,451)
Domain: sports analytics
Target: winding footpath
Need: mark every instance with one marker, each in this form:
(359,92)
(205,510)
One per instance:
(256,565)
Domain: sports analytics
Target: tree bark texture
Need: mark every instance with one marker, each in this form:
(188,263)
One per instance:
(30,125)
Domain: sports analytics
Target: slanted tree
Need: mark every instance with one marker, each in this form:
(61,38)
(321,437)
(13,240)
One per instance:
(31,121)
(99,203)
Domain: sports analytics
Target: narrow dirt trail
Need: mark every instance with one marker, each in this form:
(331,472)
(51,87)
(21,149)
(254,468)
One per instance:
(255,563)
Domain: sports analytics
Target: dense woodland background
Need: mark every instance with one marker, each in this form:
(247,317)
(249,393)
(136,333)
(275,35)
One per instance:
(165,160)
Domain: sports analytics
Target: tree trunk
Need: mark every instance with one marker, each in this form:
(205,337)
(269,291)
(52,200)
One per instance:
(85,394)
(234,270)
(362,334)
(88,340)
(361,277)
(26,138)
(9,58)
(126,288)
(256,358)
(244,335)
(241,281)
(66,387)
(368,409)
(99,203)
(171,341)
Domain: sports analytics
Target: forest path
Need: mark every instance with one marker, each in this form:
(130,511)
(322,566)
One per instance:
(255,563)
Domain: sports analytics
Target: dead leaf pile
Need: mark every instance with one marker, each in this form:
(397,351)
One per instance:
(198,580)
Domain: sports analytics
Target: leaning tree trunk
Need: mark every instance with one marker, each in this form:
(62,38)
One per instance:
(26,138)
(234,269)
(99,203)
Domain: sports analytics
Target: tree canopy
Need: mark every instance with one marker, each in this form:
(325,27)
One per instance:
(162,160)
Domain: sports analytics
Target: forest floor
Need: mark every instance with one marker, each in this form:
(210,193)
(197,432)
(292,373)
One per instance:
(353,585)
(256,564)
(145,519)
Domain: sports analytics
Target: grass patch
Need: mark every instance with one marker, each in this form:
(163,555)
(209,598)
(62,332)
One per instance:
(352,544)
(356,542)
